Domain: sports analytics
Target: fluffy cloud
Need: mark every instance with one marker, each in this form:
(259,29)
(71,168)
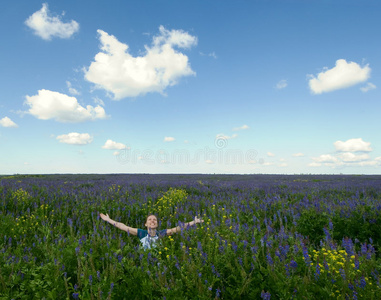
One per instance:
(343,75)
(111,145)
(352,157)
(353,145)
(243,127)
(270,154)
(348,153)
(75,138)
(169,139)
(7,122)
(46,26)
(118,72)
(62,108)
(281,84)
(72,90)
(222,136)
(368,87)
(325,158)
(298,154)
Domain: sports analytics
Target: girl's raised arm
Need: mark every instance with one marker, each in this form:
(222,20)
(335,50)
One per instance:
(124,227)
(178,228)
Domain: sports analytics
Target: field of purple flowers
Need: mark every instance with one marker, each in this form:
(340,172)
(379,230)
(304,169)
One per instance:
(263,237)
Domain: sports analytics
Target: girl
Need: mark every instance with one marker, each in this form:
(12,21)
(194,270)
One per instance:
(148,237)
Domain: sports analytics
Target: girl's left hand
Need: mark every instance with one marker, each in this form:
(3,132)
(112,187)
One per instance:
(197,220)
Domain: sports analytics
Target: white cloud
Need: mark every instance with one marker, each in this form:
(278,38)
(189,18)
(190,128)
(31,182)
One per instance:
(169,139)
(212,54)
(111,145)
(282,165)
(118,72)
(351,157)
(7,122)
(314,164)
(72,90)
(368,163)
(353,145)
(47,26)
(368,87)
(341,76)
(270,154)
(347,155)
(281,84)
(99,101)
(75,138)
(243,127)
(298,154)
(62,108)
(222,136)
(325,158)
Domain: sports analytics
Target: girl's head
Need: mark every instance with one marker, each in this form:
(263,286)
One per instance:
(151,222)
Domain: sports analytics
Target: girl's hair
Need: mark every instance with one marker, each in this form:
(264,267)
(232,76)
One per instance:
(151,215)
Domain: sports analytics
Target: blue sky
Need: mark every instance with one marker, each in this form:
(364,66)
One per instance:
(190,87)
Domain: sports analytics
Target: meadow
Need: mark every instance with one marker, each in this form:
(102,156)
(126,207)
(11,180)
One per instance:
(263,237)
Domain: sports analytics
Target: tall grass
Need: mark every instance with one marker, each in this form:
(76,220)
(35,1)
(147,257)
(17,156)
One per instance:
(278,237)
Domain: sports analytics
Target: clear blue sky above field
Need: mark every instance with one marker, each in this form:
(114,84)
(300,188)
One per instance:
(190,87)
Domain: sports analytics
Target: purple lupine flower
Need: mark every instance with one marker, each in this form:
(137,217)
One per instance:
(306,256)
(177,265)
(317,273)
(348,246)
(342,273)
(326,265)
(240,261)
(218,291)
(327,234)
(362,282)
(265,295)
(287,267)
(91,279)
(293,264)
(75,295)
(277,253)
(357,264)
(364,248)
(269,259)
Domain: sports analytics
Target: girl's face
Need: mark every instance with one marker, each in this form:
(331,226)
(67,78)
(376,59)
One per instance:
(151,222)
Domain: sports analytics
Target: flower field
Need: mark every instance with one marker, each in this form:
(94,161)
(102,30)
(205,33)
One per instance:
(263,237)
